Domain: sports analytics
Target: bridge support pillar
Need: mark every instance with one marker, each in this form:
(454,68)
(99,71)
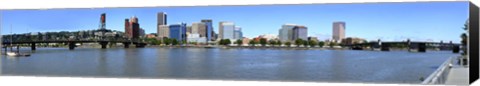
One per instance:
(126,44)
(33,46)
(5,47)
(385,47)
(422,47)
(71,45)
(104,45)
(140,45)
(456,49)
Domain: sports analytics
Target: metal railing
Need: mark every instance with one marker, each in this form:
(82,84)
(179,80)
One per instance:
(440,75)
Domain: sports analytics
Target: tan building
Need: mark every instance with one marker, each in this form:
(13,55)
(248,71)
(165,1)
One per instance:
(313,39)
(199,28)
(161,20)
(150,36)
(189,29)
(245,41)
(163,31)
(338,31)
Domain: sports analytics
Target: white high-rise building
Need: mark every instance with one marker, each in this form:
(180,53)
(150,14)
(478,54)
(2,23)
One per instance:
(286,32)
(338,31)
(227,30)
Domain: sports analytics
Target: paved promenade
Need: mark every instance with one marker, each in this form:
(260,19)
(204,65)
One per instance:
(458,75)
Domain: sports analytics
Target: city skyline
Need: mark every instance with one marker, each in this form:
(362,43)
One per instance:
(393,21)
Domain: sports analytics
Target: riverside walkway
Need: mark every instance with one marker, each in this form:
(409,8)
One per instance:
(458,75)
(451,72)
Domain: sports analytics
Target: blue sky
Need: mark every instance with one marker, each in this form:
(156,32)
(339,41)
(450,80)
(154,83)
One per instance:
(425,21)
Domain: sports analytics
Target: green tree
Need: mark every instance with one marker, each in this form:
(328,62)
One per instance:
(305,43)
(298,42)
(464,37)
(221,42)
(288,44)
(150,40)
(157,42)
(167,41)
(252,42)
(227,41)
(333,44)
(184,41)
(193,43)
(278,43)
(312,43)
(238,42)
(321,44)
(272,42)
(263,41)
(174,42)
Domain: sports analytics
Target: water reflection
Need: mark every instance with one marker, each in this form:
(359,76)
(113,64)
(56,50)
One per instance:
(232,64)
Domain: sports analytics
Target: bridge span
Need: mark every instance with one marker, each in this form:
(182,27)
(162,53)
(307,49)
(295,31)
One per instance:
(410,45)
(71,43)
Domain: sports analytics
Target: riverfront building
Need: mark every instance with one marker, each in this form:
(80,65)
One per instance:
(237,33)
(128,29)
(338,31)
(300,32)
(209,31)
(194,37)
(198,33)
(245,41)
(189,29)
(163,31)
(178,32)
(268,36)
(132,28)
(161,21)
(226,30)
(199,28)
(141,32)
(161,18)
(135,27)
(313,39)
(291,32)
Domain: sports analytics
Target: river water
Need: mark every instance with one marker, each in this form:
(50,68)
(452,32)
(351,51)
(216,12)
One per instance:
(229,64)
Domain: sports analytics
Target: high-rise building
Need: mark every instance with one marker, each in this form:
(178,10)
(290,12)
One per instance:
(209,31)
(178,32)
(237,33)
(163,31)
(286,32)
(141,32)
(161,20)
(128,29)
(135,27)
(189,29)
(338,31)
(226,30)
(199,28)
(103,19)
(300,32)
